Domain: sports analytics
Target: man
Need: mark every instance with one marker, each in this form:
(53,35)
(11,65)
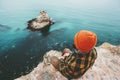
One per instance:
(73,65)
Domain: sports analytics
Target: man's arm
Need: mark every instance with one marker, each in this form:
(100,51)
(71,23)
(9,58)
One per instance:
(55,62)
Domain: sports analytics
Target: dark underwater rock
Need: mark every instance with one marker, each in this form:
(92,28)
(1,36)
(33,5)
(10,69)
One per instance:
(4,27)
(29,51)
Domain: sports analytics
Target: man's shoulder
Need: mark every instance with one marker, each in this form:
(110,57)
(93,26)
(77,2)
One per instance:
(94,53)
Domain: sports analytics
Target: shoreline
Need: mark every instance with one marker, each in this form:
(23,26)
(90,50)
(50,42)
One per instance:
(105,52)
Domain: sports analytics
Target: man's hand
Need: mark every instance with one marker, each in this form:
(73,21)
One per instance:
(66,54)
(66,50)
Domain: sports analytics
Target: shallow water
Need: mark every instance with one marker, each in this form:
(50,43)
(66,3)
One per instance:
(21,49)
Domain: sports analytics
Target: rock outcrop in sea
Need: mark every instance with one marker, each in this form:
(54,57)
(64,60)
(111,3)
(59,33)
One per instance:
(106,67)
(42,21)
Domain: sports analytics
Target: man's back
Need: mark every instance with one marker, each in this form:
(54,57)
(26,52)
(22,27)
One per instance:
(75,65)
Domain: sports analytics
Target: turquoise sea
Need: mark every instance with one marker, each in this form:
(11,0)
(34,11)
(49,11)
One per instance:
(21,49)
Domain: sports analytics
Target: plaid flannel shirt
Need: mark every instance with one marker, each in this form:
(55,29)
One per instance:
(75,65)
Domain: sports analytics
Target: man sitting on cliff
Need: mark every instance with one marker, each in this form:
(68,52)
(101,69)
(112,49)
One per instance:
(73,65)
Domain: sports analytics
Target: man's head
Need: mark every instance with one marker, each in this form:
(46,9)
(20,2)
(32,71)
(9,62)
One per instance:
(85,40)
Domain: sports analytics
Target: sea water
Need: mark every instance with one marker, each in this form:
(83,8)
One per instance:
(21,49)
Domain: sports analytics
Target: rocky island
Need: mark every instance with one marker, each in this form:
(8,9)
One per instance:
(106,67)
(42,21)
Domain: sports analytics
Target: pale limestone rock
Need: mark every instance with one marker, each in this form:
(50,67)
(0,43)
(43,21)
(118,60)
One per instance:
(106,45)
(106,67)
(114,49)
(42,21)
(37,25)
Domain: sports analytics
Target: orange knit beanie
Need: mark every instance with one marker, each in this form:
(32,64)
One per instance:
(85,40)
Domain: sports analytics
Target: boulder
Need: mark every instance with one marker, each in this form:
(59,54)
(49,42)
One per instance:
(42,21)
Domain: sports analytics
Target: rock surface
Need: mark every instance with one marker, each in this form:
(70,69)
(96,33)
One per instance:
(106,67)
(40,22)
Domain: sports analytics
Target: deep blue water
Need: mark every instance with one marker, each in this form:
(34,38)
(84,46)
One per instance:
(21,50)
